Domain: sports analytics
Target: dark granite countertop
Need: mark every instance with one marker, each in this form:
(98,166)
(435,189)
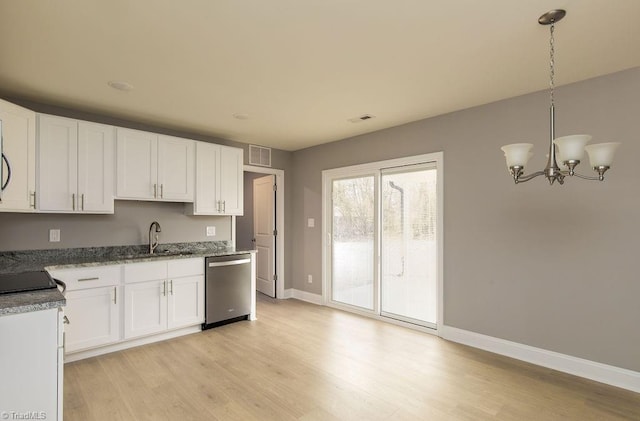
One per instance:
(34,260)
(23,261)
(25,302)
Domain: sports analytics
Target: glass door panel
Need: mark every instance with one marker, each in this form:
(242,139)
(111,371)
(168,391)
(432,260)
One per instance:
(352,241)
(408,244)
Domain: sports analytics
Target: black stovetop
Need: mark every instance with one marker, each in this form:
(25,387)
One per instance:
(25,281)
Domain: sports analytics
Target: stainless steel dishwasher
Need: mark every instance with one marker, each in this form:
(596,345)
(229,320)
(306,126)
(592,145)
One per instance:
(227,289)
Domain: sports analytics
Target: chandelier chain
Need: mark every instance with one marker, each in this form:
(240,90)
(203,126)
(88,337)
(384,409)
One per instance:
(552,62)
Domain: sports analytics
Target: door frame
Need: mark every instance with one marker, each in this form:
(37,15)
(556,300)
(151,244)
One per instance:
(355,170)
(279,254)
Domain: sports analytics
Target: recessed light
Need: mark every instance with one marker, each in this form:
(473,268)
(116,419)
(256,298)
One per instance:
(241,116)
(121,86)
(363,117)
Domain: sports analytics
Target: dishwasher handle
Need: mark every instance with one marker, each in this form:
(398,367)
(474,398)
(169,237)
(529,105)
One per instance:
(229,263)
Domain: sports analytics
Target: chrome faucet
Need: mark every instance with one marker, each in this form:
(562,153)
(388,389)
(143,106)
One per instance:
(153,244)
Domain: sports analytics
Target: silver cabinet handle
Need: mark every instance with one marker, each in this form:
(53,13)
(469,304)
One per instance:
(224,206)
(161,190)
(229,263)
(89,279)
(155,191)
(164,288)
(65,320)
(73,201)
(32,194)
(82,201)
(171,287)
(115,295)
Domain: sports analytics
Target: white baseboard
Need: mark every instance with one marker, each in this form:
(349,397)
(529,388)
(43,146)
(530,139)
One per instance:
(303,295)
(603,373)
(119,346)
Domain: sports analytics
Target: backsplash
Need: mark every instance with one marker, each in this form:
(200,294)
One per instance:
(129,226)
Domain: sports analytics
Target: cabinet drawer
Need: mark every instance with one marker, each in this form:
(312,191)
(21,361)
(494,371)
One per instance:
(185,267)
(145,271)
(89,277)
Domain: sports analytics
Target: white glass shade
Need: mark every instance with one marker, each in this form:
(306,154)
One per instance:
(601,154)
(517,154)
(571,147)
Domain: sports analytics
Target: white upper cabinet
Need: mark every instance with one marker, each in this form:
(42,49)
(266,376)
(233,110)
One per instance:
(175,168)
(137,164)
(19,160)
(231,180)
(75,165)
(154,167)
(219,180)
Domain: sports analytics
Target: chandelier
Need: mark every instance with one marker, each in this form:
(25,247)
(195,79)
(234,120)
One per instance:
(568,150)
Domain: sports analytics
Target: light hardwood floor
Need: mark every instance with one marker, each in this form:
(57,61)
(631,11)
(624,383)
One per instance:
(299,361)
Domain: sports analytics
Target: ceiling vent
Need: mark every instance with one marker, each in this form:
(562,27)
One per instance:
(363,117)
(259,155)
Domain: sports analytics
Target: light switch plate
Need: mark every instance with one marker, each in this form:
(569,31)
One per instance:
(211,231)
(54,235)
(311,222)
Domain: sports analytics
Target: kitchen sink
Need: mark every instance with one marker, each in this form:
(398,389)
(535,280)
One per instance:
(167,253)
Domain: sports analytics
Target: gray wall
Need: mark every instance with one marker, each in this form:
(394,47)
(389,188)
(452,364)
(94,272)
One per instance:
(129,225)
(547,266)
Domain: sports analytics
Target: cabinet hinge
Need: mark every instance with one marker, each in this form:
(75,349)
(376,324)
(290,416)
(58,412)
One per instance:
(275,277)
(275,232)
(275,187)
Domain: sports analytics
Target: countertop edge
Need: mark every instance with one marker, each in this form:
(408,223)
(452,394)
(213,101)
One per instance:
(26,302)
(143,258)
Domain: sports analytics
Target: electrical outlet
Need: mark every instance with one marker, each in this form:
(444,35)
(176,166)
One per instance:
(211,231)
(54,235)
(310,279)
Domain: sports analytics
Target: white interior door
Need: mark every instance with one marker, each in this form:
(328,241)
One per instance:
(264,229)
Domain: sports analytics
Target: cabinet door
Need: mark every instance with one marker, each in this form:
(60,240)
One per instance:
(96,167)
(94,318)
(186,301)
(136,164)
(231,180)
(29,364)
(145,308)
(175,168)
(19,148)
(57,163)
(207,181)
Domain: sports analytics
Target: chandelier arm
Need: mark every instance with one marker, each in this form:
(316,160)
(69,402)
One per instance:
(586,177)
(524,178)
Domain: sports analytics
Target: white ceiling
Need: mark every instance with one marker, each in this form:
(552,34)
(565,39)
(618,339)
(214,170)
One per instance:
(300,69)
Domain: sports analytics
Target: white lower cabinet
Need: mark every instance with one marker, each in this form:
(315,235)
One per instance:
(109,305)
(174,299)
(93,306)
(94,317)
(186,301)
(145,308)
(30,369)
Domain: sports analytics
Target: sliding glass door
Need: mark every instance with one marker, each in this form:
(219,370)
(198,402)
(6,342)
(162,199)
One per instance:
(382,253)
(408,245)
(353,234)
